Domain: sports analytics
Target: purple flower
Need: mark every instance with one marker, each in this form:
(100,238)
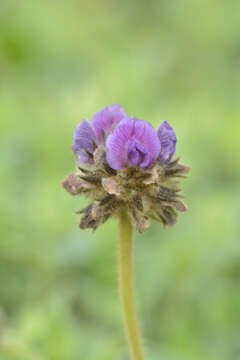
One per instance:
(84,142)
(168,141)
(127,164)
(133,143)
(129,141)
(104,120)
(87,137)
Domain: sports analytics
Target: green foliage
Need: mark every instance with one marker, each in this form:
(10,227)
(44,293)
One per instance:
(61,61)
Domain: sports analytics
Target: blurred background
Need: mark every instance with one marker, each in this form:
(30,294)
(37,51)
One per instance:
(60,62)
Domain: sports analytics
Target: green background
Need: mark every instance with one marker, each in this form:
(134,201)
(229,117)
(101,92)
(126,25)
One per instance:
(61,61)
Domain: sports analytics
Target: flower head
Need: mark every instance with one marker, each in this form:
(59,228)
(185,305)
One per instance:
(124,162)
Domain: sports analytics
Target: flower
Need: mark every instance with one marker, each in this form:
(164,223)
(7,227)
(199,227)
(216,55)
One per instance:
(87,136)
(132,143)
(84,142)
(168,141)
(104,121)
(124,163)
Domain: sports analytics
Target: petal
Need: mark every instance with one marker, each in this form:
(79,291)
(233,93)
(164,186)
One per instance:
(168,141)
(134,155)
(117,145)
(104,120)
(138,155)
(84,140)
(146,135)
(120,144)
(83,157)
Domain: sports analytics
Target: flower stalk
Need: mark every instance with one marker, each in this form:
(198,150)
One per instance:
(125,274)
(127,168)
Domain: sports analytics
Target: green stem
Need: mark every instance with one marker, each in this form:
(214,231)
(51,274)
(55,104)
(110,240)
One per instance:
(126,287)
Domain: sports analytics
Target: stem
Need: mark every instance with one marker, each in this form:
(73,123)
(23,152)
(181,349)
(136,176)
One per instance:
(126,287)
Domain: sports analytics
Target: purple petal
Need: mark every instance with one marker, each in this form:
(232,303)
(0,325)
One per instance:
(84,142)
(168,141)
(132,143)
(137,154)
(104,120)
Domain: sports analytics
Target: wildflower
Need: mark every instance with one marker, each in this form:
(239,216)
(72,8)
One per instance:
(168,142)
(104,120)
(132,143)
(124,163)
(84,143)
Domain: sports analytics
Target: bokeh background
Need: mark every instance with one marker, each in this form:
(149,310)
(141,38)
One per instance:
(61,61)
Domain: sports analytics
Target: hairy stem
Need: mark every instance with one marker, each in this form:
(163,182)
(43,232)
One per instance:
(126,287)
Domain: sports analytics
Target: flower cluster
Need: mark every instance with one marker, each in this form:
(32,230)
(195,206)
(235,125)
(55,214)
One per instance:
(124,162)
